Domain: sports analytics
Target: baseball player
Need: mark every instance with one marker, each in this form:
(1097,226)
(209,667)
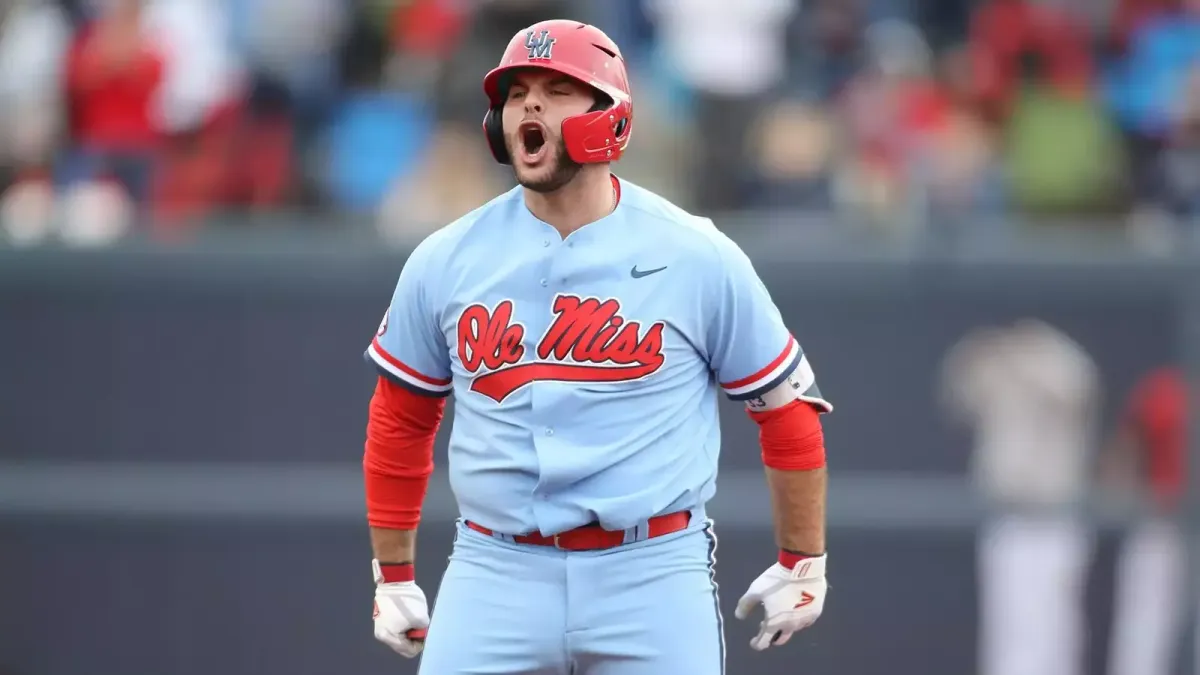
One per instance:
(1030,394)
(1148,455)
(584,326)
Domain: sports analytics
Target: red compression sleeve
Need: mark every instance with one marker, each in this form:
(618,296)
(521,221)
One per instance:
(399,454)
(791,437)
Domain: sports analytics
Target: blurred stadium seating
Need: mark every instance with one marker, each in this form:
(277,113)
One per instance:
(890,115)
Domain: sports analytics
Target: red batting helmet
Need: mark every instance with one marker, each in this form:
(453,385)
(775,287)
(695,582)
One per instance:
(580,51)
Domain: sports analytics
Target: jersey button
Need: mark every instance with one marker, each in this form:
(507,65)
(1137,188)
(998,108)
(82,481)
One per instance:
(543,282)
(549,431)
(546,242)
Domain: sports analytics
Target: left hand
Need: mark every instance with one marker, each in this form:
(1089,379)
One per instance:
(791,598)
(401,612)
(401,616)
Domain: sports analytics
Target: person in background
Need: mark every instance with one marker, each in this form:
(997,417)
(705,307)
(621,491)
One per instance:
(794,145)
(1168,212)
(1004,35)
(34,35)
(1147,459)
(290,52)
(918,151)
(1030,394)
(890,109)
(199,109)
(450,37)
(732,57)
(113,78)
(1144,90)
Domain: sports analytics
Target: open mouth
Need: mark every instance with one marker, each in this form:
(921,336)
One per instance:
(533,139)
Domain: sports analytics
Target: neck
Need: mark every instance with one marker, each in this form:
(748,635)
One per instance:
(586,199)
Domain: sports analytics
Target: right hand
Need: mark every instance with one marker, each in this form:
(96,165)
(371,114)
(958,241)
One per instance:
(401,616)
(793,599)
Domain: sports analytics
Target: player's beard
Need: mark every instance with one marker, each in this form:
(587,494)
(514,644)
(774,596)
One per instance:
(545,179)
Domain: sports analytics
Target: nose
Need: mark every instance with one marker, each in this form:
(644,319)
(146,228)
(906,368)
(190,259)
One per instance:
(533,103)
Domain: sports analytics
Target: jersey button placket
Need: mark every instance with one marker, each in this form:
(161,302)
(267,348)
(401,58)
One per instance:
(539,397)
(550,273)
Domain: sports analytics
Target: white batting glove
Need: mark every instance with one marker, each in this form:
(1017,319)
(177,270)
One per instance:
(791,598)
(401,613)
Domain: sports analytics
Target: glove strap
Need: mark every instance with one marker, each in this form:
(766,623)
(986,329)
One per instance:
(802,565)
(391,573)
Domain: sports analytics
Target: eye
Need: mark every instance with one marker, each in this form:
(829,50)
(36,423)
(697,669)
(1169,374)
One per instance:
(560,92)
(515,95)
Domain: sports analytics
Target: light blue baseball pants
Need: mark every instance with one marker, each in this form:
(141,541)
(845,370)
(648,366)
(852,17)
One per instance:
(646,608)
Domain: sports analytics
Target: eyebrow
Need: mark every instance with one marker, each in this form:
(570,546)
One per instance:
(553,82)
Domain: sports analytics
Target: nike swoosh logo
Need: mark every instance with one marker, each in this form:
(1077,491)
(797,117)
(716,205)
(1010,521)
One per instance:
(638,274)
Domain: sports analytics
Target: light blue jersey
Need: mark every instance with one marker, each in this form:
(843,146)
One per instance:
(585,370)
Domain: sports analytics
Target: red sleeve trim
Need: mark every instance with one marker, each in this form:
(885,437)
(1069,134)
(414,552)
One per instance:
(410,371)
(398,457)
(791,437)
(404,371)
(766,370)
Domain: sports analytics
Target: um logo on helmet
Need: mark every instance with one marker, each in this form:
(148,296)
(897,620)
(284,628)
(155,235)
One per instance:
(539,47)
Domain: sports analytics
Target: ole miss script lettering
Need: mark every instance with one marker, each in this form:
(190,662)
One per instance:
(589,341)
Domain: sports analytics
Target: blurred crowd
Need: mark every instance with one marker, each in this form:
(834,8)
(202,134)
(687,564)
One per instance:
(155,115)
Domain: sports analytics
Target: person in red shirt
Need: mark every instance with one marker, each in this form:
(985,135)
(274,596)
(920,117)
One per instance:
(1150,449)
(1007,35)
(112,75)
(1149,456)
(429,28)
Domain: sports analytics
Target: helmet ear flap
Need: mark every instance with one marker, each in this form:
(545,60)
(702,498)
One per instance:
(493,129)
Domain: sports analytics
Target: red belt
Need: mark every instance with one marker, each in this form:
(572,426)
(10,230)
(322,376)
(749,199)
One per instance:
(594,537)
